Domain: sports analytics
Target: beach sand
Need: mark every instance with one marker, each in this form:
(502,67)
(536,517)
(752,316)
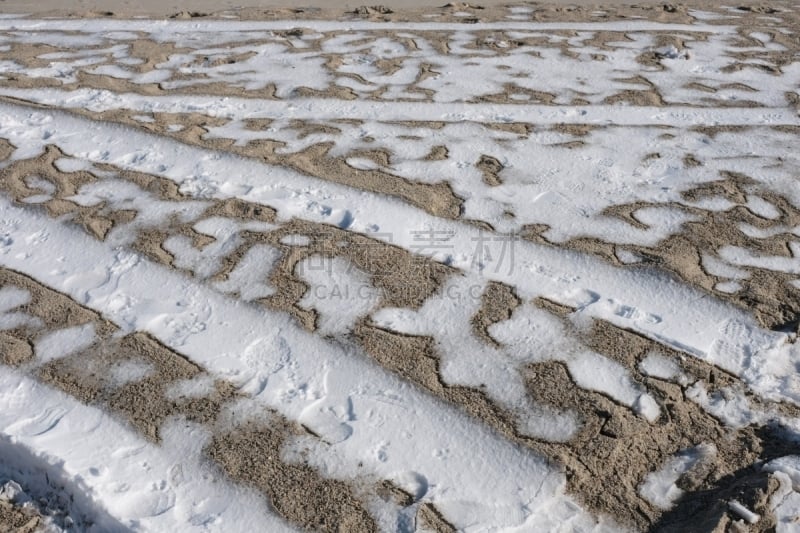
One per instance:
(613,452)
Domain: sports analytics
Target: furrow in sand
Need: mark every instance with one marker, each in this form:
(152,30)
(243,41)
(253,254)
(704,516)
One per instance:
(89,376)
(153,390)
(301,376)
(423,274)
(437,199)
(643,300)
(115,479)
(299,426)
(161,216)
(142,403)
(683,250)
(412,358)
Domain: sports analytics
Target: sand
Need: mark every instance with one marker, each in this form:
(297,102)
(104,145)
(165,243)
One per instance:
(396,9)
(159,9)
(614,450)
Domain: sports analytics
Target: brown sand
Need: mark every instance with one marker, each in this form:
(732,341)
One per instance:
(430,519)
(404,279)
(768,294)
(251,454)
(497,304)
(144,403)
(437,199)
(613,443)
(15,519)
(612,436)
(52,308)
(390,10)
(296,491)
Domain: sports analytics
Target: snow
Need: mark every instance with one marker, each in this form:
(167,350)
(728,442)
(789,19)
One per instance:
(739,256)
(10,299)
(660,487)
(99,100)
(64,342)
(594,372)
(37,182)
(749,516)
(788,465)
(373,425)
(72,165)
(338,291)
(203,263)
(130,371)
(296,240)
(660,366)
(784,503)
(249,278)
(47,508)
(728,287)
(762,208)
(764,233)
(728,405)
(116,481)
(222,29)
(196,387)
(627,257)
(304,378)
(717,267)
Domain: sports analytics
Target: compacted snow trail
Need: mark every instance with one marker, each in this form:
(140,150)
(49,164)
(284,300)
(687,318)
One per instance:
(513,269)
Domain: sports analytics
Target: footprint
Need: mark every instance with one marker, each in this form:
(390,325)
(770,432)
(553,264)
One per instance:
(634,313)
(381,451)
(581,298)
(346,221)
(5,243)
(625,311)
(415,483)
(324,420)
(40,425)
(37,238)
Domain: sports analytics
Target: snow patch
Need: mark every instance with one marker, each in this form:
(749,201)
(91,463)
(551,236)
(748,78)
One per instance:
(660,487)
(338,291)
(659,366)
(249,279)
(63,342)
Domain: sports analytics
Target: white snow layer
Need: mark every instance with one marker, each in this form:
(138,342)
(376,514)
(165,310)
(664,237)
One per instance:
(371,421)
(659,487)
(646,303)
(335,392)
(113,479)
